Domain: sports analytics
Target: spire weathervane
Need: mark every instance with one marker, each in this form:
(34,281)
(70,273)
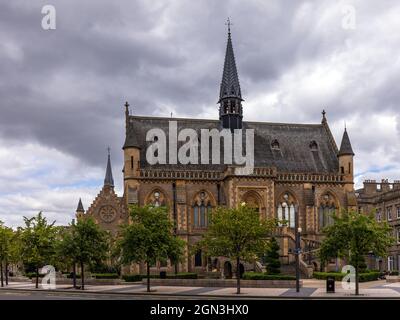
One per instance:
(229,23)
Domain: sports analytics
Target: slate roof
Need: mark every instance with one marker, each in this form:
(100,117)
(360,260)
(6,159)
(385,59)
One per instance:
(80,206)
(230,86)
(345,146)
(304,148)
(108,180)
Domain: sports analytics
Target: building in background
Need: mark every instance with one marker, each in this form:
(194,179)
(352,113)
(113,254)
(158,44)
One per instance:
(383,199)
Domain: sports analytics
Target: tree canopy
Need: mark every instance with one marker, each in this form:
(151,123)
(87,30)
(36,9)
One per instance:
(38,242)
(237,233)
(353,235)
(84,243)
(149,238)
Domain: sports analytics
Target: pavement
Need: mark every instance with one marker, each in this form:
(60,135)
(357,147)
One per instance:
(311,289)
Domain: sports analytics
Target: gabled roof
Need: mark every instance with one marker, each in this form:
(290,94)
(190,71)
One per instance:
(302,148)
(345,147)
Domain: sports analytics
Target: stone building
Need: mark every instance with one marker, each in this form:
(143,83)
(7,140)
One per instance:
(108,210)
(383,199)
(300,175)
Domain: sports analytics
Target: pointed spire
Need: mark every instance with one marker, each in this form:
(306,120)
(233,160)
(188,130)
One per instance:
(108,180)
(345,147)
(230,86)
(80,206)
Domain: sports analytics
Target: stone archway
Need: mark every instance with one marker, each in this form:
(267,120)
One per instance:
(253,200)
(227,270)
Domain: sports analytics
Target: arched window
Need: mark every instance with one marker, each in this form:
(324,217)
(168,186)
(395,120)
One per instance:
(327,209)
(201,211)
(225,106)
(286,211)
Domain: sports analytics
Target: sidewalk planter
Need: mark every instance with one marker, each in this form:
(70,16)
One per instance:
(392,279)
(231,283)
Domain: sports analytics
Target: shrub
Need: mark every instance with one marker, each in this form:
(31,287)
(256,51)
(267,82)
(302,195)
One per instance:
(132,277)
(271,258)
(139,277)
(182,275)
(363,277)
(31,275)
(105,275)
(394,273)
(324,275)
(265,276)
(369,276)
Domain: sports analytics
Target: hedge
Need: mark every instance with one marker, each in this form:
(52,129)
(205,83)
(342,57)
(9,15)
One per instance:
(363,277)
(105,275)
(31,275)
(139,277)
(265,276)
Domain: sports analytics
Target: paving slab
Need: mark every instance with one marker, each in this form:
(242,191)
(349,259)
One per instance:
(304,292)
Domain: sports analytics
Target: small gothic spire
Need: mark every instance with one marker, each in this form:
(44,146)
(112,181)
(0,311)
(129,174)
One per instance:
(323,116)
(345,146)
(108,180)
(80,206)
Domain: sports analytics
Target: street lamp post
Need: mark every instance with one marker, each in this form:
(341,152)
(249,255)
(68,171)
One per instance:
(298,249)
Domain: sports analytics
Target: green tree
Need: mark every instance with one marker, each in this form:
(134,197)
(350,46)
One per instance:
(238,234)
(84,243)
(6,250)
(149,238)
(38,242)
(271,257)
(353,235)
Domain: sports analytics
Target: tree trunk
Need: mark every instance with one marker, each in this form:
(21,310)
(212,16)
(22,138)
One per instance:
(1,273)
(74,275)
(6,273)
(148,277)
(237,275)
(37,278)
(82,276)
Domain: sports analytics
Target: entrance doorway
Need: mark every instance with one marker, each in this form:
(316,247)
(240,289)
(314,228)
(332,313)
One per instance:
(227,270)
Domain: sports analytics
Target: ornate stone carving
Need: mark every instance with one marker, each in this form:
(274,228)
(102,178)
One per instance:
(107,213)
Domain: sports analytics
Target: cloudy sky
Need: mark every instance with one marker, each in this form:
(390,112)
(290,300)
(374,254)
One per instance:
(62,91)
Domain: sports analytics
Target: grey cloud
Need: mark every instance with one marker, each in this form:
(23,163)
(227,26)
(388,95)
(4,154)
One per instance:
(161,54)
